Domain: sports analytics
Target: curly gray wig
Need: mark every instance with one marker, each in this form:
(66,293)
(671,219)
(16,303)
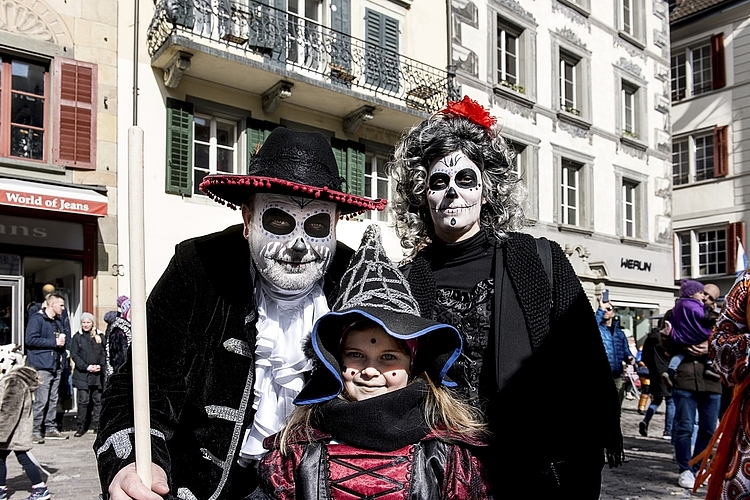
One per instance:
(438,136)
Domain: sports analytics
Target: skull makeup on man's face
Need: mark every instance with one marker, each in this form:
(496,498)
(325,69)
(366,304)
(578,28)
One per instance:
(292,239)
(454,195)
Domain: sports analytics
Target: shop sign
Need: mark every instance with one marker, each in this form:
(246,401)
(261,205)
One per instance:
(40,233)
(635,264)
(46,197)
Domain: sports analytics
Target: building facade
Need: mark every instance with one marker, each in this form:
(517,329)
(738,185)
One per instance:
(710,93)
(58,157)
(216,77)
(581,88)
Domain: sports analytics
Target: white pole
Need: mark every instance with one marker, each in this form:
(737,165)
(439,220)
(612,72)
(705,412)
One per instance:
(139,343)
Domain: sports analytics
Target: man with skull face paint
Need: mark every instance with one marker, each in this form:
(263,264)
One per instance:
(458,212)
(226,324)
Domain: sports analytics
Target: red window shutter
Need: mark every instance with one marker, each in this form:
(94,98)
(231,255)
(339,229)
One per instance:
(735,230)
(718,72)
(721,151)
(75,117)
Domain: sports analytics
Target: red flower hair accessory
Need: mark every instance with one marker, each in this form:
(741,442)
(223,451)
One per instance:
(472,111)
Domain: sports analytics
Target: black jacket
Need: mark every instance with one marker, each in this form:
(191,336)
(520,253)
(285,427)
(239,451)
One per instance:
(530,410)
(201,326)
(85,351)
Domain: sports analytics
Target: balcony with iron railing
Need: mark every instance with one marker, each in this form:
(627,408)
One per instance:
(222,41)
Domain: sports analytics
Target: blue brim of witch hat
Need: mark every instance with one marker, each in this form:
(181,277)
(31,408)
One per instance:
(438,347)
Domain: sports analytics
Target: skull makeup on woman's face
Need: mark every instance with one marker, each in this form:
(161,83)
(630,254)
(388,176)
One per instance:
(292,239)
(454,195)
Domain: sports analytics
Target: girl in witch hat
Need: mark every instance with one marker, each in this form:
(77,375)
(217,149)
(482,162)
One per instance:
(375,418)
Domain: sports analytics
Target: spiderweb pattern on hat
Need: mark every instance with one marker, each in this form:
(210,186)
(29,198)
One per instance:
(373,281)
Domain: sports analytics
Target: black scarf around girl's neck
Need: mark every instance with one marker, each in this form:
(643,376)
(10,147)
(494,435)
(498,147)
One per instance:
(383,423)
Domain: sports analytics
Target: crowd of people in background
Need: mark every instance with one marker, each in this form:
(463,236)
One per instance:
(680,373)
(36,389)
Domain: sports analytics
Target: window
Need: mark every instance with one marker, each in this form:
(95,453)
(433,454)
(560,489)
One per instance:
(630,21)
(700,156)
(680,162)
(513,56)
(703,252)
(629,209)
(628,110)
(377,182)
(568,84)
(631,197)
(518,163)
(627,16)
(698,69)
(214,148)
(704,157)
(381,51)
(207,142)
(508,55)
(570,193)
(573,197)
(571,75)
(25,102)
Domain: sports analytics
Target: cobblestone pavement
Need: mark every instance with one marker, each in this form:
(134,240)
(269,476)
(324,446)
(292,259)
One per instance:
(70,464)
(649,473)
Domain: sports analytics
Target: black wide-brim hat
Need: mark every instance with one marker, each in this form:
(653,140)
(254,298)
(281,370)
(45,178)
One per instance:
(293,163)
(373,288)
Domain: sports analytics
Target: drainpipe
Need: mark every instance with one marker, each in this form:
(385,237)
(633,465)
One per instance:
(451,68)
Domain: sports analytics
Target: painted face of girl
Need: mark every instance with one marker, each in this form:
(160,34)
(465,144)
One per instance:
(454,195)
(373,363)
(292,240)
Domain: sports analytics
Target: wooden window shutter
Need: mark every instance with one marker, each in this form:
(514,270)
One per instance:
(257,131)
(339,148)
(350,157)
(355,168)
(718,71)
(735,231)
(721,151)
(179,147)
(75,117)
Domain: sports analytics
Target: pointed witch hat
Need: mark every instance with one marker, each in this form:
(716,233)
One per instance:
(373,288)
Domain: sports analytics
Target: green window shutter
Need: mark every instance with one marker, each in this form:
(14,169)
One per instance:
(339,152)
(355,168)
(179,147)
(257,132)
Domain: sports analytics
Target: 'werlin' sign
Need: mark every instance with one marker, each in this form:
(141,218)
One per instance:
(635,264)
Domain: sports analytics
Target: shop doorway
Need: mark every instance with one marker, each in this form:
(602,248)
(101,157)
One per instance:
(11,310)
(65,275)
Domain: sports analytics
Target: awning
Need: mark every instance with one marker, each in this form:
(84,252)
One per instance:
(63,199)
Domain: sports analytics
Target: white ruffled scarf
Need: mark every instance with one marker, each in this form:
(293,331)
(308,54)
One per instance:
(284,321)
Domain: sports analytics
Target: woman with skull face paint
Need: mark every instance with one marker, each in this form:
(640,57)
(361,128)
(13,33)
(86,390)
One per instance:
(458,212)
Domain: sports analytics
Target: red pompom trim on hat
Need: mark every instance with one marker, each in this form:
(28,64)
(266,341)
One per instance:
(472,111)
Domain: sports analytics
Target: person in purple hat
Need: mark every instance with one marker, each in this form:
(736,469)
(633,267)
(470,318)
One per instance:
(226,322)
(691,324)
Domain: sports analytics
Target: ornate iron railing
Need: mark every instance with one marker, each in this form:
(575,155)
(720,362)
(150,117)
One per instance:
(303,45)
